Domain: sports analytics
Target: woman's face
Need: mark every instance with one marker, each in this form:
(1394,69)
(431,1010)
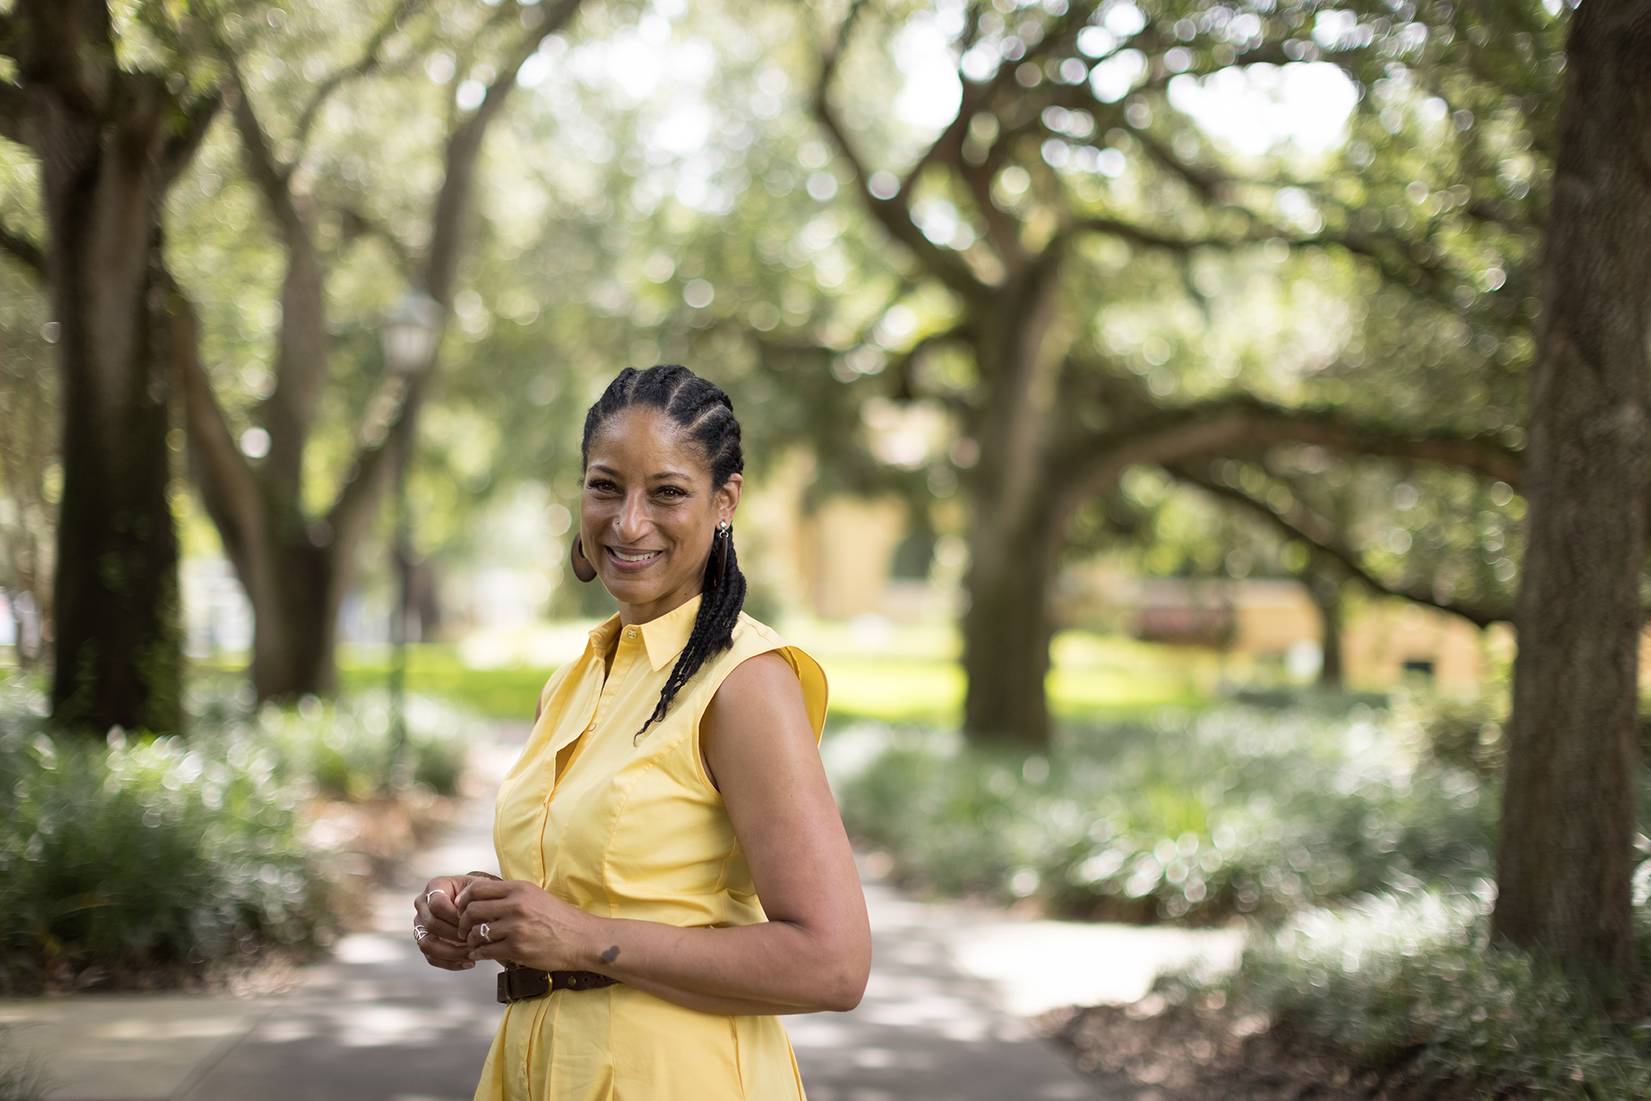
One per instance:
(648,511)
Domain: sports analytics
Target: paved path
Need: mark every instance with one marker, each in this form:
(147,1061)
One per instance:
(377,1024)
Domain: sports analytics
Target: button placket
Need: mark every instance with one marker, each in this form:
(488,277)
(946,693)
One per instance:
(623,659)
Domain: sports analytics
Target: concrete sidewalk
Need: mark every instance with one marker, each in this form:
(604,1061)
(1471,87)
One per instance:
(938,1021)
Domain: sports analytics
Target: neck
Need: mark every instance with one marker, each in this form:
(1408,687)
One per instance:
(653,609)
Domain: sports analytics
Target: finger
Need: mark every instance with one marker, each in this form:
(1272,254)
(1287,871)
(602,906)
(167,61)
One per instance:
(486,888)
(439,900)
(444,953)
(495,935)
(448,930)
(485,909)
(496,949)
(463,964)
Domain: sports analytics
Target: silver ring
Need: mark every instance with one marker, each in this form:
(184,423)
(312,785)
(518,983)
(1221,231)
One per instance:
(420,931)
(482,929)
(437,891)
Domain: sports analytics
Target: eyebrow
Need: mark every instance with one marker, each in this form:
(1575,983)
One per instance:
(661,474)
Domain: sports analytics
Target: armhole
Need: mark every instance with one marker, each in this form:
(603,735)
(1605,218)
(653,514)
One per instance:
(815,695)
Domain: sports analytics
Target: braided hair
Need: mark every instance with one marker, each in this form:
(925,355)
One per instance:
(702,409)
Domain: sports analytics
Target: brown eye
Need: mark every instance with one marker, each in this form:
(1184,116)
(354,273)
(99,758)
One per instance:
(672,490)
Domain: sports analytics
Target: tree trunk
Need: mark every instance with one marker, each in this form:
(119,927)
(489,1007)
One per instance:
(1325,592)
(1014,541)
(118,647)
(1568,810)
(1007,629)
(295,621)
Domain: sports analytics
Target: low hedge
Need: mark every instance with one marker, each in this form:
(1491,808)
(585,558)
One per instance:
(136,860)
(1242,809)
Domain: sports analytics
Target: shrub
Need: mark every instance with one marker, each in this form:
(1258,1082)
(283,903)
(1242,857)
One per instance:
(1407,980)
(342,747)
(121,859)
(130,859)
(1194,817)
(20,1079)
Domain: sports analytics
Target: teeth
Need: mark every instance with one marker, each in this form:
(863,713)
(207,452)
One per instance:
(623,557)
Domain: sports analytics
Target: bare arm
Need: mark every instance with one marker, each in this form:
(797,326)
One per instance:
(814,952)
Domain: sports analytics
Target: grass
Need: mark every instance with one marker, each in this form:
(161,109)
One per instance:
(903,675)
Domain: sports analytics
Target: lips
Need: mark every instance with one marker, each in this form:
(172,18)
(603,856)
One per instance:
(631,560)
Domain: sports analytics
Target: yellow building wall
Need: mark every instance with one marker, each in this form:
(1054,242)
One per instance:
(845,551)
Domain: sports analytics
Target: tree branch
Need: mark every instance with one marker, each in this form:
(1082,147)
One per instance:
(1299,522)
(1241,423)
(395,408)
(228,486)
(269,173)
(894,212)
(1147,237)
(24,250)
(181,147)
(394,405)
(14,104)
(356,223)
(464,145)
(902,369)
(363,65)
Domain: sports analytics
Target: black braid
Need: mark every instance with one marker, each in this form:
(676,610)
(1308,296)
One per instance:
(705,411)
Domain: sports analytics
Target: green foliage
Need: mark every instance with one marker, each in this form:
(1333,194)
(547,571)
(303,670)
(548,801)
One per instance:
(20,1079)
(145,853)
(1193,817)
(342,749)
(1410,978)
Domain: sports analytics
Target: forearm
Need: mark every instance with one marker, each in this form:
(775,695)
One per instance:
(770,967)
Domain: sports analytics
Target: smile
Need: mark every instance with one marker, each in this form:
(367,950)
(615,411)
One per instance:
(633,559)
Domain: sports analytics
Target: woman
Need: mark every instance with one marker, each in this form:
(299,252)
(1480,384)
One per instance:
(671,851)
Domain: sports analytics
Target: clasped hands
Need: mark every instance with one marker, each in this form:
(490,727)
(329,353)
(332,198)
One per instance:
(526,924)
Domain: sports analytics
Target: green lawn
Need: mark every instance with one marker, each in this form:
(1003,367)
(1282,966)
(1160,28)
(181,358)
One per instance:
(907,676)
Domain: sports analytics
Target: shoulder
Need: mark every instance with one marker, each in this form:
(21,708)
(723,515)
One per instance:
(754,663)
(761,671)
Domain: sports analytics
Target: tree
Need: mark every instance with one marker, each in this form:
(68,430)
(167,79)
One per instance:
(28,461)
(1568,812)
(295,563)
(111,136)
(1053,415)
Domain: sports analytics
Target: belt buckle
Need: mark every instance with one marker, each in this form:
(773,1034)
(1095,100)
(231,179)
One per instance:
(517,983)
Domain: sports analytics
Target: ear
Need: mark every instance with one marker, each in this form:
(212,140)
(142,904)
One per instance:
(728,496)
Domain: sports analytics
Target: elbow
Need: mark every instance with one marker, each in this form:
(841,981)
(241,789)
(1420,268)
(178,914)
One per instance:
(849,985)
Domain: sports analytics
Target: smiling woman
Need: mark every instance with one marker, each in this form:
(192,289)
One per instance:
(676,873)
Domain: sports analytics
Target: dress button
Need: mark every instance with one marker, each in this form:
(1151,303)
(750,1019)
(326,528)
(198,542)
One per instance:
(630,633)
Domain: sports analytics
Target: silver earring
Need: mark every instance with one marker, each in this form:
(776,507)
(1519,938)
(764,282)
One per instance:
(719,548)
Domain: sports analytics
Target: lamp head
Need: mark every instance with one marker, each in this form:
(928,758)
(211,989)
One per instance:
(410,333)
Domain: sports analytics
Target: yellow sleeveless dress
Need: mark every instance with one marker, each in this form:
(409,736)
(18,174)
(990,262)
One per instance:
(635,831)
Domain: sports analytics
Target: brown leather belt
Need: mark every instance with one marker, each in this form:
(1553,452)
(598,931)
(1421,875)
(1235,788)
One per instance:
(516,983)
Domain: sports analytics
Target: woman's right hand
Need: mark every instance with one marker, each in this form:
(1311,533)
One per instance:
(443,946)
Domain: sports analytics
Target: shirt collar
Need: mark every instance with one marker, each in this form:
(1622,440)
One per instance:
(663,636)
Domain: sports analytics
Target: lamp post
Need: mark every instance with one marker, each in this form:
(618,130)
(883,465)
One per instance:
(409,336)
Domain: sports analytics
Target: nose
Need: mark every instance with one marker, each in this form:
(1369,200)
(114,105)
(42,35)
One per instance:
(631,522)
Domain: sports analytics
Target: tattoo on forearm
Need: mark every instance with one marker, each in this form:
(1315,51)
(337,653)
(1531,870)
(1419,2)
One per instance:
(610,953)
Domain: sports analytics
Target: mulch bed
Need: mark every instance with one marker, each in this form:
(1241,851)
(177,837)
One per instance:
(1205,1050)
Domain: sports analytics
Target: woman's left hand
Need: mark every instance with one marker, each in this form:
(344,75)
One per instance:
(525,925)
